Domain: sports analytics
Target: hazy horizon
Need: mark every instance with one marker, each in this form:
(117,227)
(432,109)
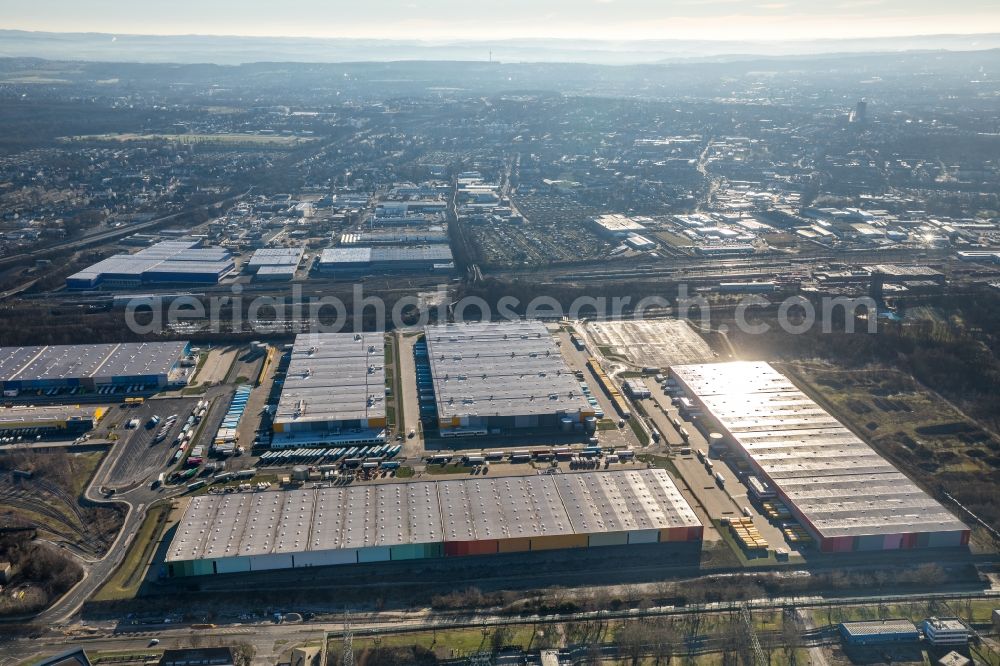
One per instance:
(632,20)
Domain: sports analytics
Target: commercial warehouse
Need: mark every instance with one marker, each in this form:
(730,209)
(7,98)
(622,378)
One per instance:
(617,225)
(167,262)
(494,377)
(428,519)
(334,391)
(845,494)
(879,632)
(153,365)
(271,257)
(49,420)
(385,259)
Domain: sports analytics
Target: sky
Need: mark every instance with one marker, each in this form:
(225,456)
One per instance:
(504,19)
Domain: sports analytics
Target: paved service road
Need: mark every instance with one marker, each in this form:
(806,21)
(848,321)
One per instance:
(136,499)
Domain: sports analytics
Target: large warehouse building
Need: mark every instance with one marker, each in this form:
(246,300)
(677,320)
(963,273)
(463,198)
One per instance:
(272,257)
(48,421)
(152,365)
(334,391)
(495,377)
(381,259)
(168,262)
(428,519)
(838,487)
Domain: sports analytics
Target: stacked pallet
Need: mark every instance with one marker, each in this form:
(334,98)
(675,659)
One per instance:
(796,534)
(776,510)
(746,534)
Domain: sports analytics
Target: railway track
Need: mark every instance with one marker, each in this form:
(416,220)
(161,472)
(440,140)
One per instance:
(69,522)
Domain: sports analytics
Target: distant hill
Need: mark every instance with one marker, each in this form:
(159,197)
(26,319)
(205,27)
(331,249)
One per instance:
(227,50)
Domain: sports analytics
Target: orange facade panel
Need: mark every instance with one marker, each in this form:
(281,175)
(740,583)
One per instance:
(559,541)
(670,534)
(516,545)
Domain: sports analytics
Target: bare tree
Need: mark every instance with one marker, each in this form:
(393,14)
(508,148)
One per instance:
(791,637)
(243,654)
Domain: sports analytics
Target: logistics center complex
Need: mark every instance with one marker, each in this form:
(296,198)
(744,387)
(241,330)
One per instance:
(142,365)
(847,496)
(499,377)
(428,519)
(334,391)
(166,262)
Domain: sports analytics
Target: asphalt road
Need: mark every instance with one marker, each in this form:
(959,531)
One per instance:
(137,500)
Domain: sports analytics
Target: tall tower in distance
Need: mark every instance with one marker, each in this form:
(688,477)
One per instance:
(859,113)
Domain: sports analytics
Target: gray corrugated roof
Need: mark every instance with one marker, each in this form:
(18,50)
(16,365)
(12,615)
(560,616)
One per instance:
(334,377)
(835,479)
(101,361)
(500,369)
(276,256)
(163,257)
(419,512)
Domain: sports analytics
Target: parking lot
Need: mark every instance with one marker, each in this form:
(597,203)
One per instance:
(137,457)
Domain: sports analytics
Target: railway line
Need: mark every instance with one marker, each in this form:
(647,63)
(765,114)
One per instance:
(72,532)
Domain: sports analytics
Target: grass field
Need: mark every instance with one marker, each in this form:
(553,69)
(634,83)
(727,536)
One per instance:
(640,434)
(917,430)
(450,468)
(972,610)
(84,465)
(450,642)
(125,582)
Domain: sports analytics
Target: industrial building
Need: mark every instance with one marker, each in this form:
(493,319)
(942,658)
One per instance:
(845,494)
(428,519)
(495,377)
(150,365)
(334,391)
(167,262)
(385,259)
(275,273)
(946,631)
(617,225)
(434,235)
(49,420)
(275,257)
(879,632)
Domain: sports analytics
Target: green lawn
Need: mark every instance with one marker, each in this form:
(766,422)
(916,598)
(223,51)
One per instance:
(640,433)
(125,582)
(450,468)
